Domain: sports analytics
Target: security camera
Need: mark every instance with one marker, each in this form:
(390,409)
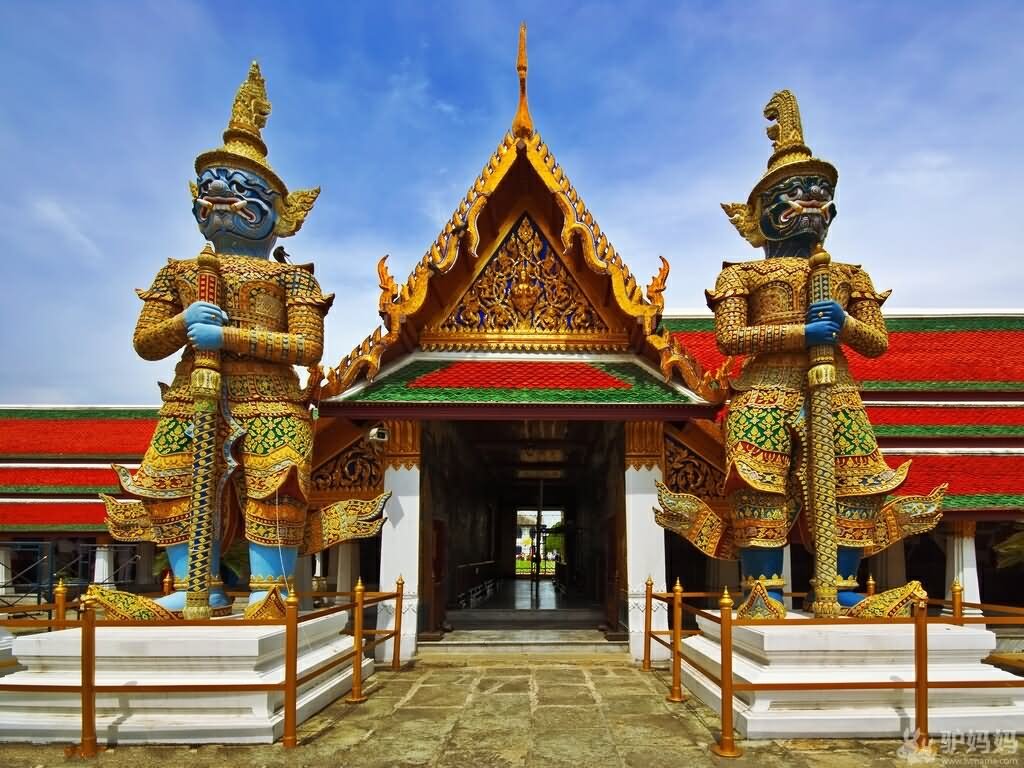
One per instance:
(378,435)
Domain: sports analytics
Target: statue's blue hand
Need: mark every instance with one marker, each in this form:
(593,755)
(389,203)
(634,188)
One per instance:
(826,310)
(206,336)
(204,312)
(821,332)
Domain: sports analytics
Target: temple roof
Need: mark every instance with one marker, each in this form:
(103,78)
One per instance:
(530,384)
(928,353)
(522,265)
(54,460)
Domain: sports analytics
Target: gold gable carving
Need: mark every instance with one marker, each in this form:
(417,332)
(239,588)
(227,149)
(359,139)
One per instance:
(524,297)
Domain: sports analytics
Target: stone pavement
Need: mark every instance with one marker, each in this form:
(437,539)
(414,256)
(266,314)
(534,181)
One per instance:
(544,710)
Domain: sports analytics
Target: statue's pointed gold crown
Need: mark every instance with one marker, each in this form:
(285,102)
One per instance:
(522,123)
(244,148)
(790,157)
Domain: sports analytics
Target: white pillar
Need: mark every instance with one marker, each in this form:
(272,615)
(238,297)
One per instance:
(645,556)
(889,568)
(318,565)
(103,564)
(6,574)
(400,556)
(962,563)
(787,575)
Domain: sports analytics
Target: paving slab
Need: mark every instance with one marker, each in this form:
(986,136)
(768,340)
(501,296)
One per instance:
(488,712)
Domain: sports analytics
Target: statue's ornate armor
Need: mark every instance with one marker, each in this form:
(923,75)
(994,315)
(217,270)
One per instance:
(759,309)
(276,315)
(234,442)
(798,445)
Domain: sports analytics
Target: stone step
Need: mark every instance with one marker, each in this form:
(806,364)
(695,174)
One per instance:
(525,618)
(583,642)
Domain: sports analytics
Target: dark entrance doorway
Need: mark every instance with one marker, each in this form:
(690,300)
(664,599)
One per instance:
(520,514)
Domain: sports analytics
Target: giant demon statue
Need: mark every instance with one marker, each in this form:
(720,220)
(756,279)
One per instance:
(799,448)
(232,449)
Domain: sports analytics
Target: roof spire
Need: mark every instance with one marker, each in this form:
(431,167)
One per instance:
(522,123)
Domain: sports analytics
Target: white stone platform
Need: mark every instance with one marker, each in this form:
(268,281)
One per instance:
(852,654)
(7,662)
(215,655)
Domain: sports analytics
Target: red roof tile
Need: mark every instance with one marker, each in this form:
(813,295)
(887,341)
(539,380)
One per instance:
(519,374)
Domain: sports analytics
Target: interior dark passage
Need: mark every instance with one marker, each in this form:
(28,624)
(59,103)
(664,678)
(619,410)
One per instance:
(482,554)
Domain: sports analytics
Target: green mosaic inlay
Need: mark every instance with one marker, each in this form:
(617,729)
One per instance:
(984,501)
(943,386)
(645,390)
(53,527)
(950,430)
(78,413)
(58,490)
(897,324)
(688,324)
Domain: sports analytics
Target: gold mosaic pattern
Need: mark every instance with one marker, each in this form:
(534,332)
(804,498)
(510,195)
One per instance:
(524,287)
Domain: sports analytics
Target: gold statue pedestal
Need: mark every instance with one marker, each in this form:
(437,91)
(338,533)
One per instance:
(216,655)
(858,653)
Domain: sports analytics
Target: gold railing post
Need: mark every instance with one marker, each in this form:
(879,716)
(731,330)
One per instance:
(60,601)
(168,583)
(396,650)
(87,747)
(291,667)
(921,672)
(957,592)
(726,746)
(871,585)
(648,604)
(676,694)
(355,696)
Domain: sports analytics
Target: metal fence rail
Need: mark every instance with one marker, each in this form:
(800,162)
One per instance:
(289,684)
(726,745)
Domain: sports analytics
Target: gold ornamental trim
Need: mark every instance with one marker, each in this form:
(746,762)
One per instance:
(440,341)
(645,445)
(403,445)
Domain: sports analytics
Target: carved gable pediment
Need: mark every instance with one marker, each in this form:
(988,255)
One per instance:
(524,297)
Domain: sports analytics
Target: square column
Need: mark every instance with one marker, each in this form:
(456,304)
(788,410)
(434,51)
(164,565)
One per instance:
(6,574)
(400,537)
(103,565)
(645,539)
(962,562)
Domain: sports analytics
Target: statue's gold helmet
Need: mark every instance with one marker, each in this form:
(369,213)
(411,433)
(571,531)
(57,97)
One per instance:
(244,148)
(790,157)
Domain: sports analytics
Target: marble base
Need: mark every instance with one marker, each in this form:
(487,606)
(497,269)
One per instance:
(219,654)
(853,654)
(7,661)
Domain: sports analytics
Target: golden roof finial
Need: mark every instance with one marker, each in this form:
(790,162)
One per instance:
(522,123)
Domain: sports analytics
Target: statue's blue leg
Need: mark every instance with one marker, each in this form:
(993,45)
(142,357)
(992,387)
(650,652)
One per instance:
(849,562)
(270,564)
(760,561)
(177,557)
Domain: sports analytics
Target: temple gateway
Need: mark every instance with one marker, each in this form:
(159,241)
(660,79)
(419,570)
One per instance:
(520,400)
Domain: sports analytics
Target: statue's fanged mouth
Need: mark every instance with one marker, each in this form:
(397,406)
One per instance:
(209,204)
(811,207)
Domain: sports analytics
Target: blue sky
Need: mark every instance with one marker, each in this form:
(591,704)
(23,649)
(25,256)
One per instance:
(653,109)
